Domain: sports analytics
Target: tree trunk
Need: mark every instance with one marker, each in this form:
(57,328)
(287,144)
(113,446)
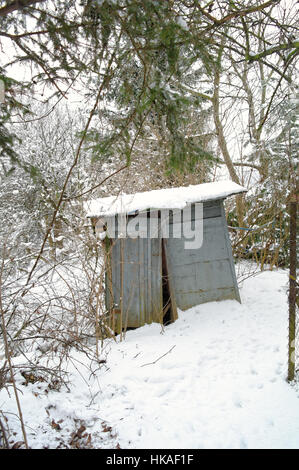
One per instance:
(292,288)
(223,145)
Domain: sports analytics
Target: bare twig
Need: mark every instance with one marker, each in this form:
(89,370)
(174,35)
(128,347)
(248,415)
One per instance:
(5,444)
(7,353)
(150,363)
(17,5)
(68,176)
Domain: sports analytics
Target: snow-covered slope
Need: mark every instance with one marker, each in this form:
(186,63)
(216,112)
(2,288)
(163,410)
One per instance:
(213,379)
(221,386)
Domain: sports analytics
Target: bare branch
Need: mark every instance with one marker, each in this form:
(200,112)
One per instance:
(278,48)
(17,5)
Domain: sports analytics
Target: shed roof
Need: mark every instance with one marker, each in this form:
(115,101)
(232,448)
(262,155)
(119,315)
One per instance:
(169,198)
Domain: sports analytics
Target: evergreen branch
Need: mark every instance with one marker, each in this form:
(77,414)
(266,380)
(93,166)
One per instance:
(97,185)
(44,31)
(196,93)
(71,169)
(42,65)
(17,5)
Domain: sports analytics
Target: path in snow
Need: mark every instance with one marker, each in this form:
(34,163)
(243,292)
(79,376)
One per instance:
(222,385)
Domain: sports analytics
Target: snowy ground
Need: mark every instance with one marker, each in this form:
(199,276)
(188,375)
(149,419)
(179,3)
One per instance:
(213,379)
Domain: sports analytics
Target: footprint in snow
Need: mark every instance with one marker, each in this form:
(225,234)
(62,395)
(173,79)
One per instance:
(278,370)
(243,444)
(238,404)
(260,386)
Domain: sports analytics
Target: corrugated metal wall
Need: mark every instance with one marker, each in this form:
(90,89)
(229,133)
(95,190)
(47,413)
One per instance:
(196,276)
(206,274)
(136,278)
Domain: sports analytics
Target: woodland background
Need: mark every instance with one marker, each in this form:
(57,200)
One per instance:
(103,97)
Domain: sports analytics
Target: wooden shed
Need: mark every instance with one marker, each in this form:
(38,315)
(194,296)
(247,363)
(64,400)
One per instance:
(150,275)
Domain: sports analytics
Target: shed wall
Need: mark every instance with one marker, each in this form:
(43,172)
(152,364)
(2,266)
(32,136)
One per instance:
(206,274)
(195,276)
(136,281)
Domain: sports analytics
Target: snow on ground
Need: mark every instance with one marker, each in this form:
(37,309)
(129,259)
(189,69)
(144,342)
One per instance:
(216,378)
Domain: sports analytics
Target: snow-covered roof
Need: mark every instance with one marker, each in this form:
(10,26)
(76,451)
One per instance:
(170,198)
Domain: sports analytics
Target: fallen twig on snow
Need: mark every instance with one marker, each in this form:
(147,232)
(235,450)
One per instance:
(150,363)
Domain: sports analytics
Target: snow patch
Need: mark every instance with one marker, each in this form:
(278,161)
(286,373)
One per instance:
(170,198)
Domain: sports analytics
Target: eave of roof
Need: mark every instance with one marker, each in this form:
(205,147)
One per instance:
(169,198)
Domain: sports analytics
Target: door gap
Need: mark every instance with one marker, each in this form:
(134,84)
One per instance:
(166,296)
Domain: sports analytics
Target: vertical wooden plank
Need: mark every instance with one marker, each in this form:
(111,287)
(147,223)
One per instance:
(150,303)
(119,317)
(140,284)
(156,280)
(132,282)
(230,253)
(174,311)
(141,287)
